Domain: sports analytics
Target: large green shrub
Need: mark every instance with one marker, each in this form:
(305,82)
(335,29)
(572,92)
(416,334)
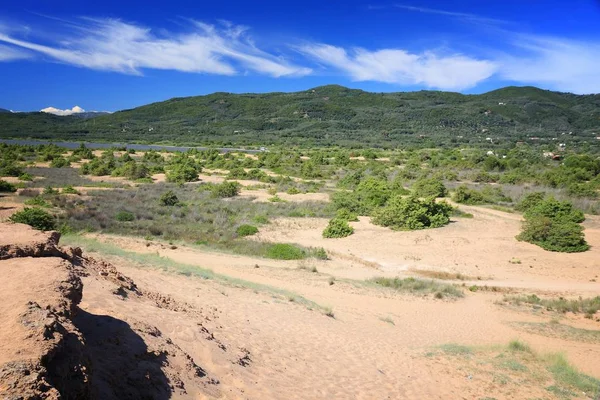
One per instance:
(183,172)
(464,195)
(554,235)
(530,200)
(226,189)
(429,187)
(338,228)
(554,209)
(553,225)
(413,213)
(35,217)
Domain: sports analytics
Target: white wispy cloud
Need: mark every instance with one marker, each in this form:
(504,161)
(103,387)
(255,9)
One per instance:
(454,14)
(114,45)
(8,53)
(559,64)
(448,72)
(62,113)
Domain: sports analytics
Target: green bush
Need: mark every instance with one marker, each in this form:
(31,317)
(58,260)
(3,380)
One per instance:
(59,162)
(554,235)
(246,230)
(556,210)
(37,201)
(346,215)
(226,189)
(412,213)
(338,228)
(168,199)
(530,200)
(429,187)
(124,216)
(553,225)
(284,251)
(35,217)
(7,187)
(293,190)
(464,195)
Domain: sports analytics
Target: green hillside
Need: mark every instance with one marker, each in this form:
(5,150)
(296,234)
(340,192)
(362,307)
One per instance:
(332,115)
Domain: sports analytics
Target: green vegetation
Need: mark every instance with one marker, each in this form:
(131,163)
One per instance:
(588,306)
(412,213)
(168,199)
(246,230)
(335,115)
(226,189)
(35,217)
(419,286)
(553,225)
(488,195)
(285,251)
(430,187)
(69,189)
(338,228)
(124,216)
(7,187)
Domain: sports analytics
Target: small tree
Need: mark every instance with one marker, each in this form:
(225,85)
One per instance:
(35,217)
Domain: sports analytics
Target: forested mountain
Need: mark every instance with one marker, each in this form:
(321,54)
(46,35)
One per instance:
(333,115)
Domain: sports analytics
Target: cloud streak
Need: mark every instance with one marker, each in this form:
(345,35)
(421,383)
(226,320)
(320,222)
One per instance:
(555,63)
(11,54)
(113,45)
(448,72)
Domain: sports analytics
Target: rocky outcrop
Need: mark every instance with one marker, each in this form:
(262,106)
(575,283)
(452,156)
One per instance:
(52,349)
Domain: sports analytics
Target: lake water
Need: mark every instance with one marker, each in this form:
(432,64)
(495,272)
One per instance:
(142,147)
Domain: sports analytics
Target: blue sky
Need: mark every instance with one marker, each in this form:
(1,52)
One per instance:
(113,55)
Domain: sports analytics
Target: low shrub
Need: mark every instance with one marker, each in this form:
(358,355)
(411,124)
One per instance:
(7,187)
(25,177)
(226,189)
(285,251)
(35,217)
(412,213)
(124,216)
(554,234)
(59,162)
(168,199)
(530,200)
(246,230)
(338,228)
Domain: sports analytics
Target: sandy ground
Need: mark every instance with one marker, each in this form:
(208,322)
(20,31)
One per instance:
(483,247)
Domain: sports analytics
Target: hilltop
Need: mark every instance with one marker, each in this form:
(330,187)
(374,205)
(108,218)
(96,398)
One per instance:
(330,115)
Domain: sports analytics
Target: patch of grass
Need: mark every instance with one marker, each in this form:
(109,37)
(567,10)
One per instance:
(168,265)
(557,330)
(446,276)
(567,375)
(517,365)
(588,306)
(419,286)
